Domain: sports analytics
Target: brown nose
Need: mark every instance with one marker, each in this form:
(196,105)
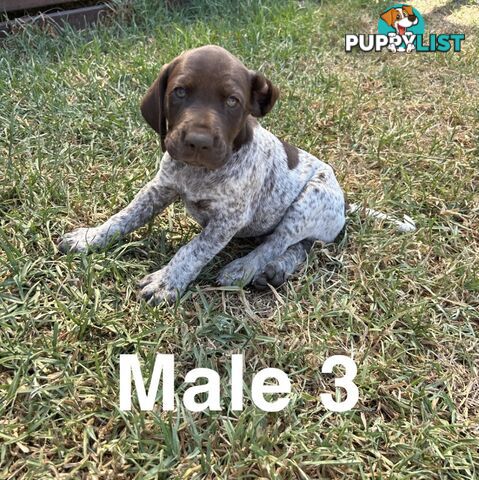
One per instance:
(198,141)
(412,18)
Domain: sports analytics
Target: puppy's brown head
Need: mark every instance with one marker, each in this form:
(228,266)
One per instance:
(200,104)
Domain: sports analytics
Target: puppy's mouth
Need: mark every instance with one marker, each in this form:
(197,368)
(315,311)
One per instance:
(401,30)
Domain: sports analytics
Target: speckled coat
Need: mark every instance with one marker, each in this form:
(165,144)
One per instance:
(266,189)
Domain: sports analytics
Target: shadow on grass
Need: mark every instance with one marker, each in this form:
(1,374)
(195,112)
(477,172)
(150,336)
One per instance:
(447,9)
(437,17)
(139,21)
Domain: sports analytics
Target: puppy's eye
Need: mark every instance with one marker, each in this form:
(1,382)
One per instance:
(232,101)
(179,92)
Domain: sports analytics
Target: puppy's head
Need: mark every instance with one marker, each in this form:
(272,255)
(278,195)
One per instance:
(200,104)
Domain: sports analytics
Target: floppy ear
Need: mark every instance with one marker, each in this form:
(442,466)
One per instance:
(389,16)
(153,104)
(408,9)
(263,95)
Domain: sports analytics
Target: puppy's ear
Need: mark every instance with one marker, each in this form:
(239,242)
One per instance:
(263,95)
(153,107)
(389,16)
(408,9)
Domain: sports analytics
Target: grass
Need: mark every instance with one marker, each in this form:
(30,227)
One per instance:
(402,135)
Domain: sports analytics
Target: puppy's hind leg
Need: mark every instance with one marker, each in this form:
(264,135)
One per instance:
(277,272)
(317,214)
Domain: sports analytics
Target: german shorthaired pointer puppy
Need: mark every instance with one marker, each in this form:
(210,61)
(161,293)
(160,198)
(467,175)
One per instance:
(235,178)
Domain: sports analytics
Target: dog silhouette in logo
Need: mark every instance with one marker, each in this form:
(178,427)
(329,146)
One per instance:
(400,18)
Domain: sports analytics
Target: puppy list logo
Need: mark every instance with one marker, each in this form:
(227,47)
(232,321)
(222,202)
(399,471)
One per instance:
(401,29)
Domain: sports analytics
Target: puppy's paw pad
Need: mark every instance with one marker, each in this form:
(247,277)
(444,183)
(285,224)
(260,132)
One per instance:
(272,274)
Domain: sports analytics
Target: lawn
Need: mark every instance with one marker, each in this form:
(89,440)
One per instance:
(402,133)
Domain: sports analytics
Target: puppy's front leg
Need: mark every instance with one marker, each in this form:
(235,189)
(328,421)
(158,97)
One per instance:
(154,197)
(171,281)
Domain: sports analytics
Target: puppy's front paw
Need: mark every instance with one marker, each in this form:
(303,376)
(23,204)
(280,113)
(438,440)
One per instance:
(161,286)
(238,272)
(81,240)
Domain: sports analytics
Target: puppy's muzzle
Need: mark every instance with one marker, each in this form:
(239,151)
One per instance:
(197,142)
(197,146)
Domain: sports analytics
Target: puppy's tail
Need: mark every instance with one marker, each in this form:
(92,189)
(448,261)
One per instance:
(406,225)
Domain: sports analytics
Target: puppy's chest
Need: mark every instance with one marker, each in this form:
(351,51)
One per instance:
(207,196)
(203,204)
(200,209)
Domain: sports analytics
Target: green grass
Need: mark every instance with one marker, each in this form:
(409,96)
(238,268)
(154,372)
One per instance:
(402,135)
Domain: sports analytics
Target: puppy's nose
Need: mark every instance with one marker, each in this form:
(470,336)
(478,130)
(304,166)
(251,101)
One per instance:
(199,141)
(412,18)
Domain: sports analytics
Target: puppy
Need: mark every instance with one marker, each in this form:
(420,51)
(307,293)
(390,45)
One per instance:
(235,178)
